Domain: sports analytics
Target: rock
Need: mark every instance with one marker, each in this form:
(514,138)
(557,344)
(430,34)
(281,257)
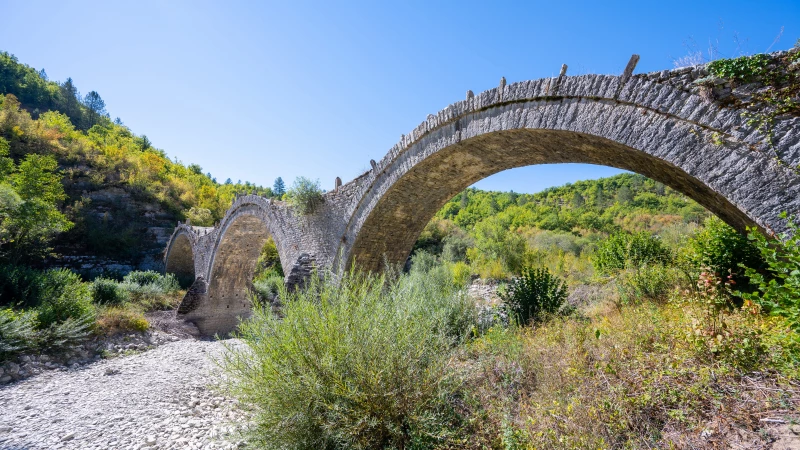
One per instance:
(68,437)
(5,428)
(150,441)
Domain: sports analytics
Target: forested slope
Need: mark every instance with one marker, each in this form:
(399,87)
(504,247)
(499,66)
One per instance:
(123,196)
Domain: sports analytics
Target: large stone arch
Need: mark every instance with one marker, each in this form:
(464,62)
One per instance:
(667,134)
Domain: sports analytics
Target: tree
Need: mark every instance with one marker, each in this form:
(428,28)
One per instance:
(145,143)
(228,181)
(305,195)
(29,197)
(95,105)
(70,103)
(279,188)
(577,200)
(624,195)
(43,75)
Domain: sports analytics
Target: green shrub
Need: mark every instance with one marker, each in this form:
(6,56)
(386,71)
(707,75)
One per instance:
(629,250)
(305,195)
(534,295)
(20,286)
(779,291)
(455,247)
(143,277)
(65,334)
(17,332)
(64,296)
(724,251)
(108,292)
(357,364)
(649,282)
(268,288)
(462,273)
(269,261)
(150,289)
(422,261)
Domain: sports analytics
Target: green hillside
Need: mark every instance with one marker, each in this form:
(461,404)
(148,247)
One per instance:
(498,233)
(122,195)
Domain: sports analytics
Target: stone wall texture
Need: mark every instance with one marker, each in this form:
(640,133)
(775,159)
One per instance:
(665,125)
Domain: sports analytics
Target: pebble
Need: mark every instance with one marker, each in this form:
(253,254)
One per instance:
(141,406)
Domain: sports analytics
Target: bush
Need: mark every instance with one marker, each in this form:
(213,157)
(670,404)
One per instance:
(724,251)
(629,250)
(358,364)
(305,195)
(455,247)
(151,290)
(268,288)
(108,292)
(462,274)
(142,277)
(20,286)
(116,319)
(648,283)
(17,332)
(422,261)
(64,296)
(779,291)
(534,295)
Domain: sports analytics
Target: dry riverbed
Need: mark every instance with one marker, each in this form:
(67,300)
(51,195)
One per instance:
(160,399)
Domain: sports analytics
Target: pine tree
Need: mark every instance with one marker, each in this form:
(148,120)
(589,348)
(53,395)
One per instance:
(279,188)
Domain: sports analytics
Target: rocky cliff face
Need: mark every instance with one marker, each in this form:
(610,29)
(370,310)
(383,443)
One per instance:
(117,229)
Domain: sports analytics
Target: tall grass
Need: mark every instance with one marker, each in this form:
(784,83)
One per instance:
(359,364)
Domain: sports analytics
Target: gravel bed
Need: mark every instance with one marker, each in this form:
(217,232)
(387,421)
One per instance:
(160,399)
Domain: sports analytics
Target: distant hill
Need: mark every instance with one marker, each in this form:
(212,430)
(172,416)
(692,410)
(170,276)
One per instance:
(625,201)
(125,195)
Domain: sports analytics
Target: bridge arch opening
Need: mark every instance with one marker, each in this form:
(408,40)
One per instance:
(180,260)
(230,277)
(400,209)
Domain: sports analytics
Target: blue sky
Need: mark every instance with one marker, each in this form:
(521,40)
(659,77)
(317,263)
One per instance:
(256,90)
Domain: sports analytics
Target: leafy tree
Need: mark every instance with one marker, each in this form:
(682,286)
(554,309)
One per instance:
(778,289)
(29,197)
(305,195)
(724,251)
(279,188)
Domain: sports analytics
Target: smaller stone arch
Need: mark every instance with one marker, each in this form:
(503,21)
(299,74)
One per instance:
(180,257)
(220,296)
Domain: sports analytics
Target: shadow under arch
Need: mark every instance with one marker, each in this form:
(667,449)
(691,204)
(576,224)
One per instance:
(180,260)
(398,216)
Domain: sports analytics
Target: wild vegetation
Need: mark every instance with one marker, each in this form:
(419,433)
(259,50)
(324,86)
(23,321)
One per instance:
(410,361)
(627,316)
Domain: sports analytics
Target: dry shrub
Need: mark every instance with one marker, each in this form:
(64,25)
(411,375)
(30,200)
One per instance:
(115,319)
(629,377)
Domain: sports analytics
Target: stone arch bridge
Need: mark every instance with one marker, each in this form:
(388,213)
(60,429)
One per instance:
(689,136)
